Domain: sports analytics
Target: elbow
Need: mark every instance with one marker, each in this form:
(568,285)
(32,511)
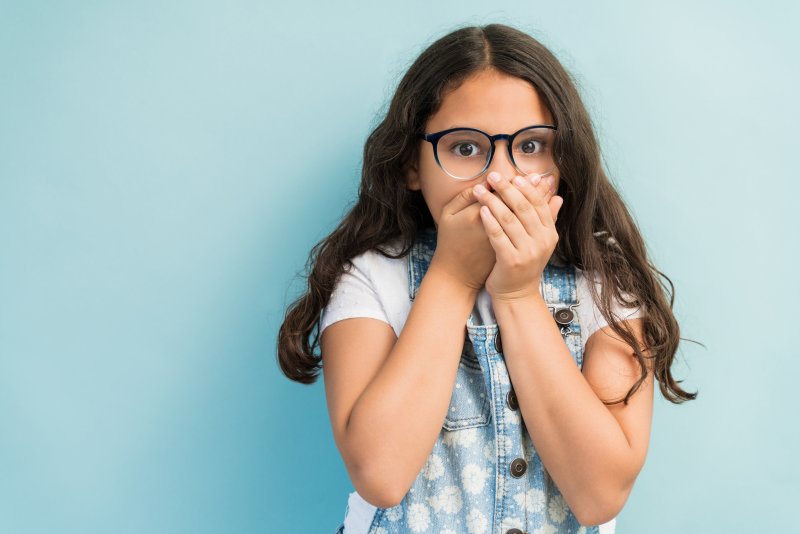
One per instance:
(377,479)
(377,492)
(378,497)
(601,508)
(603,501)
(377,484)
(595,516)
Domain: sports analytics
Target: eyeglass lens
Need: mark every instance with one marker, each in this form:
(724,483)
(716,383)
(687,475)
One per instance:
(464,154)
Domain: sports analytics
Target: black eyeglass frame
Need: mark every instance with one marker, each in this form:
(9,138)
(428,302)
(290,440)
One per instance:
(433,139)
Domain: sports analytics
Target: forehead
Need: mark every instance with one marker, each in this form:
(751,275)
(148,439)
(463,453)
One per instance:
(491,101)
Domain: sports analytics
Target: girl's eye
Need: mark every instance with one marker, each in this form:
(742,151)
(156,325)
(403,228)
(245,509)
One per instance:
(465,149)
(528,146)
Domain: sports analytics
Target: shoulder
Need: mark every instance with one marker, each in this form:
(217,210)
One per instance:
(583,279)
(378,267)
(374,286)
(589,313)
(371,271)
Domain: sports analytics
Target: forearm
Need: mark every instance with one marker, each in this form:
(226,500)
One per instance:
(395,422)
(580,442)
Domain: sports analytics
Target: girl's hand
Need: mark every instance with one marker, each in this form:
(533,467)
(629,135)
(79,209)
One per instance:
(523,239)
(462,248)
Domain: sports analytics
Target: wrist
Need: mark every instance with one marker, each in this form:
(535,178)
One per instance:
(531,291)
(447,278)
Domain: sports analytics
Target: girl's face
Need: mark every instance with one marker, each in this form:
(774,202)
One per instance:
(490,101)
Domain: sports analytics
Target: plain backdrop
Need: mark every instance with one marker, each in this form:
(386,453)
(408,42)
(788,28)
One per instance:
(165,168)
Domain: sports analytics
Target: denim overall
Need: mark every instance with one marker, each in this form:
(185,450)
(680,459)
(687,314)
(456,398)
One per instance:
(484,474)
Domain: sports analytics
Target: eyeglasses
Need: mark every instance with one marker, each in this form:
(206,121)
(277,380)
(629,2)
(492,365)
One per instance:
(468,152)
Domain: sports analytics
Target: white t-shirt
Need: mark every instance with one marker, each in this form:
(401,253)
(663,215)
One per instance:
(377,287)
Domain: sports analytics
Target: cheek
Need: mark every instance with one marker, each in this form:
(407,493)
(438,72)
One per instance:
(436,205)
(437,197)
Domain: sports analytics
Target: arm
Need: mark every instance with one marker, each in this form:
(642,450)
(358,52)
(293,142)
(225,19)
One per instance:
(388,399)
(592,451)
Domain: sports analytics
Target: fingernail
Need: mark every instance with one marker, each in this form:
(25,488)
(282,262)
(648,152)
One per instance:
(551,180)
(519,181)
(479,189)
(494,177)
(536,179)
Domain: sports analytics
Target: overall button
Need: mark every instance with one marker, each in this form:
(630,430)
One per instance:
(514,531)
(511,399)
(563,316)
(498,343)
(518,467)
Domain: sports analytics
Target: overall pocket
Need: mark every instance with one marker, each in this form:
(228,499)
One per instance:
(469,403)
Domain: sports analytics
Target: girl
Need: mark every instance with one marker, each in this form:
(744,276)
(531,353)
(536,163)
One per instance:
(504,325)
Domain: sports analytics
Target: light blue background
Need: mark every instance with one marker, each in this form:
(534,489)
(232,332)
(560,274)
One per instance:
(165,168)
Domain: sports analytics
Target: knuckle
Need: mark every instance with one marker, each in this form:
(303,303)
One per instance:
(507,217)
(523,206)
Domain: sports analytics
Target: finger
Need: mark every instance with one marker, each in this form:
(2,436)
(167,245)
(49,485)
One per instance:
(540,195)
(502,245)
(522,198)
(511,224)
(537,193)
(464,198)
(516,199)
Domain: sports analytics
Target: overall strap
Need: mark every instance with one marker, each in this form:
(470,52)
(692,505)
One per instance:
(560,291)
(419,259)
(561,295)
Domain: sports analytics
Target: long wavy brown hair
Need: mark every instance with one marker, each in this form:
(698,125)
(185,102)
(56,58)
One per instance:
(596,231)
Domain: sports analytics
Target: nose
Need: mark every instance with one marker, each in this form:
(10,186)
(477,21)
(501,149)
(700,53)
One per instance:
(501,163)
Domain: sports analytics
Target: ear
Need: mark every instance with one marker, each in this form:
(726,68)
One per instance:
(412,178)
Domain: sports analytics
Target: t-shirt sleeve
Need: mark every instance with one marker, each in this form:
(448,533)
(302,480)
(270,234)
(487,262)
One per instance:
(592,318)
(354,295)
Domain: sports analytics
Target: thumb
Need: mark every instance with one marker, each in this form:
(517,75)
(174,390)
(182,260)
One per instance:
(464,198)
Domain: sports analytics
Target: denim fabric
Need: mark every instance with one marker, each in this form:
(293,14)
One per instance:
(467,485)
